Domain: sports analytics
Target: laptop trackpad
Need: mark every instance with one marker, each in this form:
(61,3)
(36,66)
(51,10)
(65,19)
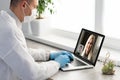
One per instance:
(77,63)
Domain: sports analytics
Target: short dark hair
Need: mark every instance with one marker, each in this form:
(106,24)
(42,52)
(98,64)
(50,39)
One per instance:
(15,2)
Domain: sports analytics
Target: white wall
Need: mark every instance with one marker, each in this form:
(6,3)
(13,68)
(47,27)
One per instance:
(4,4)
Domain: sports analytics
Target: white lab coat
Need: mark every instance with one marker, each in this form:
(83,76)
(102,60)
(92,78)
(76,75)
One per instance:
(16,63)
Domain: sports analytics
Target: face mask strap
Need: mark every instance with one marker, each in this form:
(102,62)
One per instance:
(29,5)
(26,5)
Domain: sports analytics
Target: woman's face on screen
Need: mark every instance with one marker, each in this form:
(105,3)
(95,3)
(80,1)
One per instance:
(89,45)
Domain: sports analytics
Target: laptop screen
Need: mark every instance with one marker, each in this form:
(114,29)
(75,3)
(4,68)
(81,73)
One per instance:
(89,45)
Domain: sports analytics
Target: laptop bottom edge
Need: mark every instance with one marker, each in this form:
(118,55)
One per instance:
(77,68)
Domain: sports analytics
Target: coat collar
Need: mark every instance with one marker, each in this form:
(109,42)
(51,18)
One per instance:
(18,23)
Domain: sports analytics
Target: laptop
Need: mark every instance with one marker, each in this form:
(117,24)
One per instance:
(86,51)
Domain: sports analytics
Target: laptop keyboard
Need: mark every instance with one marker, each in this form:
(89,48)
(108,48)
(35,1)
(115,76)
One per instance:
(77,63)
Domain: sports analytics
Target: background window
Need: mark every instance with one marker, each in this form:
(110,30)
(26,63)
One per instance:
(111,22)
(72,15)
(111,18)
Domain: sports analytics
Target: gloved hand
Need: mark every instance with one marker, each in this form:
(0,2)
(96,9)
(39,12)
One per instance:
(62,60)
(56,54)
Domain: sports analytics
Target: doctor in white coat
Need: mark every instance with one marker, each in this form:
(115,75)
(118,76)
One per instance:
(17,62)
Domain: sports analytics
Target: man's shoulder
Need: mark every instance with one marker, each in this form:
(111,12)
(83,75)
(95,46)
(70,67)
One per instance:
(5,17)
(6,30)
(5,20)
(3,13)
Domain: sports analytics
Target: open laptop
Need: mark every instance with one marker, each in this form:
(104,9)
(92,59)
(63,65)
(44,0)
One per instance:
(87,50)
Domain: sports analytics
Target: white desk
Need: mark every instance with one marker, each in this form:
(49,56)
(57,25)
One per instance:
(88,74)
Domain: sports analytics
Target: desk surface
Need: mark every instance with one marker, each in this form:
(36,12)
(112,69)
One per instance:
(88,74)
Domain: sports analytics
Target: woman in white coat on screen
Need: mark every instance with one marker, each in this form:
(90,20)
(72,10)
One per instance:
(17,62)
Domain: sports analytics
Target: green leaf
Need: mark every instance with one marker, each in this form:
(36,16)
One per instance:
(43,5)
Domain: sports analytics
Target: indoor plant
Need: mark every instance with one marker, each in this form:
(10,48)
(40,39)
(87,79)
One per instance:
(42,6)
(40,24)
(108,68)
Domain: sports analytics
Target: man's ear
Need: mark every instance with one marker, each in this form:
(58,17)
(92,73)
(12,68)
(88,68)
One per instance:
(23,4)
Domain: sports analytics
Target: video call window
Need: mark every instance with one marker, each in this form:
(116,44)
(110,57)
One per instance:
(88,45)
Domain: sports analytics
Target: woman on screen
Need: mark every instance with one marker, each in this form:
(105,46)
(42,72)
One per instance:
(88,49)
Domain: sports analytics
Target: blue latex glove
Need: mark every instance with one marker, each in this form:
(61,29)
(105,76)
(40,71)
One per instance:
(62,60)
(56,54)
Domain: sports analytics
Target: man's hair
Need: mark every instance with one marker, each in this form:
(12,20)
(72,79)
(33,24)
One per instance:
(15,2)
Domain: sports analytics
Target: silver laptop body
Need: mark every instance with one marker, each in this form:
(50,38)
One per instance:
(82,60)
